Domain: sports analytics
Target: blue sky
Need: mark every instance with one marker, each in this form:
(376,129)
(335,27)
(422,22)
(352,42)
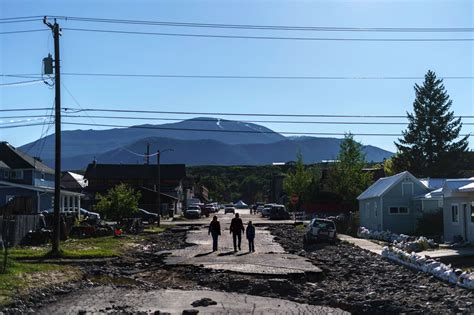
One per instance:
(112,53)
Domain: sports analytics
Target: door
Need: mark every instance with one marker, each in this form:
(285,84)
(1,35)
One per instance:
(465,222)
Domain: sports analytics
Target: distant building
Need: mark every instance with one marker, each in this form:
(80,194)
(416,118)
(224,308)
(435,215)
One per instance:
(26,179)
(73,181)
(143,178)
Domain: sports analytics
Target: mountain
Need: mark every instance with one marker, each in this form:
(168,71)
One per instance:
(252,145)
(101,141)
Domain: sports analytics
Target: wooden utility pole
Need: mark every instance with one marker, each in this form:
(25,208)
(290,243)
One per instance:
(57,133)
(158,187)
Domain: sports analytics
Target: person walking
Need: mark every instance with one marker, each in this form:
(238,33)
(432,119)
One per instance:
(236,229)
(214,231)
(251,236)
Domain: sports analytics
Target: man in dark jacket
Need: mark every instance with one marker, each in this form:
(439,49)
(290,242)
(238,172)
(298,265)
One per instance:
(215,231)
(236,229)
(251,236)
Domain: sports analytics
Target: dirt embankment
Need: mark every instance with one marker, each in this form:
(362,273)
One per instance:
(362,282)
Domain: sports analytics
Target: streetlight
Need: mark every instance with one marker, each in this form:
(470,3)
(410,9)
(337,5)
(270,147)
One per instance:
(158,198)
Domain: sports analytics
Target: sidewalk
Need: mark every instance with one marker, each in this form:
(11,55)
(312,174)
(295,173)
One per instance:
(362,243)
(438,253)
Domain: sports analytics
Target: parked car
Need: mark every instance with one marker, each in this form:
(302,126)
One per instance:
(259,209)
(147,216)
(207,210)
(193,212)
(320,230)
(229,209)
(278,212)
(266,209)
(69,211)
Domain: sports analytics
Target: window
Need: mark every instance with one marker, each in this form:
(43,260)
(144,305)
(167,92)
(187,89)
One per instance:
(375,209)
(399,210)
(42,176)
(367,210)
(454,213)
(393,210)
(403,210)
(472,212)
(16,174)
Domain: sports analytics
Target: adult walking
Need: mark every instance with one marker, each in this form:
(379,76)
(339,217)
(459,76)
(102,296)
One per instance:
(214,231)
(236,229)
(251,236)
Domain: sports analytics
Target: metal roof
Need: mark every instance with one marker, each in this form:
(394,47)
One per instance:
(382,185)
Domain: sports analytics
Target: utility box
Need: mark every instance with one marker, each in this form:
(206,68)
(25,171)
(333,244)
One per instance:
(48,64)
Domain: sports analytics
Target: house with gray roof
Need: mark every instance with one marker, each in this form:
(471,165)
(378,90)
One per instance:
(458,210)
(395,203)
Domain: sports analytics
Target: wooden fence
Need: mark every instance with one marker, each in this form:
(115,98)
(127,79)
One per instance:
(16,227)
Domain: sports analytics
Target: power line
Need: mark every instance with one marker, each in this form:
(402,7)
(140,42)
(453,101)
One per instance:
(259,77)
(224,120)
(20,83)
(267,27)
(21,18)
(77,110)
(23,109)
(20,126)
(273,37)
(23,31)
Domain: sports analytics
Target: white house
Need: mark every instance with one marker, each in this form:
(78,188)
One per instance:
(458,209)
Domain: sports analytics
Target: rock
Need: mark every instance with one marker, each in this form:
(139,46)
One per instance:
(204,302)
(239,284)
(283,287)
(190,312)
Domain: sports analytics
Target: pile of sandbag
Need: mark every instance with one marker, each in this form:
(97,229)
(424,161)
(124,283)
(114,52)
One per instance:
(430,266)
(401,241)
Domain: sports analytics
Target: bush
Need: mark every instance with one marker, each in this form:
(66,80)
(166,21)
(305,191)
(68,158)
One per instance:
(120,202)
(430,224)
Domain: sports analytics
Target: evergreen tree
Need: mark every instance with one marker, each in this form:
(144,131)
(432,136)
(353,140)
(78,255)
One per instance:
(346,177)
(428,146)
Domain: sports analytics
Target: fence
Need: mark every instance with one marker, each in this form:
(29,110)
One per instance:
(16,227)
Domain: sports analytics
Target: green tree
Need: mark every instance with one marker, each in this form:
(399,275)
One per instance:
(299,181)
(120,202)
(346,177)
(429,146)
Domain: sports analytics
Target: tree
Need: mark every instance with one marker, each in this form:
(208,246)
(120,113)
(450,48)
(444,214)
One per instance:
(298,183)
(346,177)
(120,202)
(428,146)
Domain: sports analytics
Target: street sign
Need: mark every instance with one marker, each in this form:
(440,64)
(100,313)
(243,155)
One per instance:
(294,199)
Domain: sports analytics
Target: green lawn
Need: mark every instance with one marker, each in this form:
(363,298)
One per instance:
(96,247)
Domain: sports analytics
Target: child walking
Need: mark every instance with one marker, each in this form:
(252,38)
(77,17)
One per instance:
(251,236)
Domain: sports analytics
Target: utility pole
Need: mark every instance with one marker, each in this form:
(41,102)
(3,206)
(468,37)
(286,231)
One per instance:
(147,157)
(57,133)
(158,187)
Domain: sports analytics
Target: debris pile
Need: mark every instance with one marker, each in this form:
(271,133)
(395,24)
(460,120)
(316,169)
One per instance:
(439,270)
(400,241)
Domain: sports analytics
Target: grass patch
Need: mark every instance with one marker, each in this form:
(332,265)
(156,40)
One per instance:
(300,228)
(96,247)
(21,277)
(155,229)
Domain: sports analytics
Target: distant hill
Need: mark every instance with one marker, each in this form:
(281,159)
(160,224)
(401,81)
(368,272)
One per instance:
(261,146)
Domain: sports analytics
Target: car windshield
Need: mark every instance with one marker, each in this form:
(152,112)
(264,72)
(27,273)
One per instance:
(324,224)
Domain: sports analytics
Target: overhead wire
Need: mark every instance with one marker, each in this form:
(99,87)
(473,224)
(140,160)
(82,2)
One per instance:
(77,110)
(270,37)
(22,31)
(257,77)
(265,27)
